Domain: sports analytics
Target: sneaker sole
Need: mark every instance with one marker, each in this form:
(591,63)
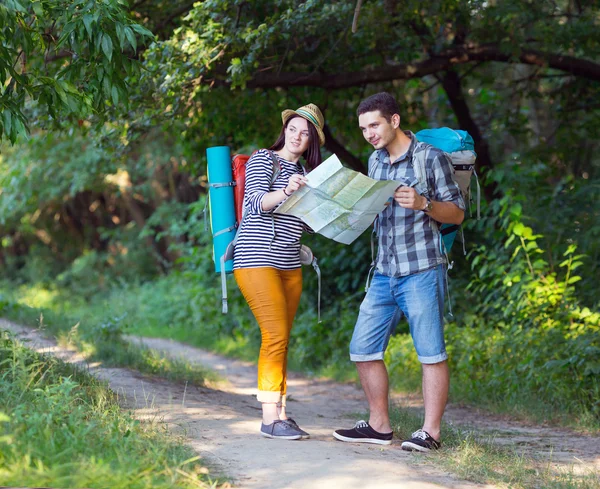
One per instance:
(413,447)
(289,437)
(362,440)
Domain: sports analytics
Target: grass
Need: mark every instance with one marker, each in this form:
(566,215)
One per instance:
(165,309)
(102,340)
(476,458)
(60,427)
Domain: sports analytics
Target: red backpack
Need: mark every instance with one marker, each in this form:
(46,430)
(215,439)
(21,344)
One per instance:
(238,167)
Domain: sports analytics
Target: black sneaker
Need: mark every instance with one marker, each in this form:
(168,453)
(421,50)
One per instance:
(295,425)
(280,429)
(421,441)
(363,433)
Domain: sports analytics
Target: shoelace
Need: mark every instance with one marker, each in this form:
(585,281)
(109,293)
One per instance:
(361,424)
(421,435)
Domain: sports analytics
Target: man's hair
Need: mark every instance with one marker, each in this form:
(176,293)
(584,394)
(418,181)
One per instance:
(383,102)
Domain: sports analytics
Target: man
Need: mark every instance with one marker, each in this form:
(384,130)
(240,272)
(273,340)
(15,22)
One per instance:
(409,274)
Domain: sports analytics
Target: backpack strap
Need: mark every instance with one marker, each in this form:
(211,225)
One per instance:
(375,232)
(228,255)
(276,166)
(205,210)
(276,172)
(307,257)
(418,165)
(478,195)
(421,175)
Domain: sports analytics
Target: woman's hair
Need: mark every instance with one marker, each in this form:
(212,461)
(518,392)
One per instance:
(312,155)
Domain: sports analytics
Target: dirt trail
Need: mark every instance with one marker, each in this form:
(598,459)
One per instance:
(221,423)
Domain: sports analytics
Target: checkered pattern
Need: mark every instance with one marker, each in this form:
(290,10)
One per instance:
(409,240)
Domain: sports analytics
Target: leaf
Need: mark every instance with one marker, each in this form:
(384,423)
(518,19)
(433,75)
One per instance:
(7,119)
(107,46)
(120,35)
(38,9)
(106,86)
(115,94)
(62,95)
(510,239)
(68,29)
(576,265)
(87,21)
(518,229)
(574,279)
(516,210)
(131,38)
(142,30)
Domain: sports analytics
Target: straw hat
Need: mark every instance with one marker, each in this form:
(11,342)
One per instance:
(312,114)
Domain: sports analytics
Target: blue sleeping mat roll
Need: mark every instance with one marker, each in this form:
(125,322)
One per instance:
(220,198)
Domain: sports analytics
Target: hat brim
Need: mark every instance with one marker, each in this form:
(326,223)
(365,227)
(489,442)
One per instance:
(286,114)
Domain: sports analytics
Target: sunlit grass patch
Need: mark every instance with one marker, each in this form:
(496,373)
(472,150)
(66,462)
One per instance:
(60,427)
(35,296)
(103,341)
(475,457)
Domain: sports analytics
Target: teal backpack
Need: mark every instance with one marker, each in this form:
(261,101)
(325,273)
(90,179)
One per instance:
(460,147)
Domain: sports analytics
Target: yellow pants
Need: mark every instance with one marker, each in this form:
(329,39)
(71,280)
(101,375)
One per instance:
(273,296)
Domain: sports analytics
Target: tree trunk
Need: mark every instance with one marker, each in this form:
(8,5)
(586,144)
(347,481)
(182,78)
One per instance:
(453,88)
(343,154)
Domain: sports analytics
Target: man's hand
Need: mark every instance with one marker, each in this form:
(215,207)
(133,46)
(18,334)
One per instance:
(408,198)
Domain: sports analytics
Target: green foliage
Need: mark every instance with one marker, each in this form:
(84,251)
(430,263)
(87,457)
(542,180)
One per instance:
(540,342)
(60,427)
(73,58)
(564,211)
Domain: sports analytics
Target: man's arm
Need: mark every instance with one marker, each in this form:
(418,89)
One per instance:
(442,212)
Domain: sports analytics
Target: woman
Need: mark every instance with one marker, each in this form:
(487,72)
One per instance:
(266,258)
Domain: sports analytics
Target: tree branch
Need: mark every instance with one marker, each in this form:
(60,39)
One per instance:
(441,62)
(183,9)
(356,14)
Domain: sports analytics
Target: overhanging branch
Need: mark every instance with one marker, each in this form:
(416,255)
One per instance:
(441,62)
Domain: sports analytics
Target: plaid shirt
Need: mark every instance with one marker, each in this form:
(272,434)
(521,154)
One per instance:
(409,240)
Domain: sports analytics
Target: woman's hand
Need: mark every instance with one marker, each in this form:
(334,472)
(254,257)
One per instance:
(274,198)
(294,183)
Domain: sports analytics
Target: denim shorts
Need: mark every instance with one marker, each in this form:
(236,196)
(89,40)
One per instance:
(419,297)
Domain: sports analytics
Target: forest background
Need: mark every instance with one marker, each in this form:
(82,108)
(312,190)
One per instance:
(107,109)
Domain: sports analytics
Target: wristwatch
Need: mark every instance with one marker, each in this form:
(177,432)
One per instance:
(428,205)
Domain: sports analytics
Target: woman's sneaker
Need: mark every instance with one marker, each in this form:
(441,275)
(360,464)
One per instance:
(421,441)
(363,433)
(295,425)
(280,429)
